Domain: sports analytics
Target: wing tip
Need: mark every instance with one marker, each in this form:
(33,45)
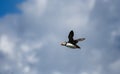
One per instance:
(71,31)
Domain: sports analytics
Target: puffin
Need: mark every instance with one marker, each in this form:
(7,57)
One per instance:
(72,43)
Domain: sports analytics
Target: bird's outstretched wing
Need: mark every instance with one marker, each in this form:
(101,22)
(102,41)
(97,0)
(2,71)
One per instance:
(80,39)
(70,36)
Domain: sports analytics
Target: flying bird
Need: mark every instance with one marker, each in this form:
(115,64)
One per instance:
(71,42)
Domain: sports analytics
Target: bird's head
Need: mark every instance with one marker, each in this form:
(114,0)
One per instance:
(63,43)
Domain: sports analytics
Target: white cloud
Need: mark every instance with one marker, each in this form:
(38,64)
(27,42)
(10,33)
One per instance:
(96,70)
(19,64)
(26,69)
(115,66)
(32,59)
(7,45)
(96,56)
(84,73)
(114,34)
(91,4)
(34,8)
(105,0)
(76,15)
(37,45)
(6,67)
(29,70)
(27,47)
(71,15)
(56,72)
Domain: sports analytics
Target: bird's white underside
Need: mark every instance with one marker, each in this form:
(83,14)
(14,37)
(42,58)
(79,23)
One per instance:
(70,45)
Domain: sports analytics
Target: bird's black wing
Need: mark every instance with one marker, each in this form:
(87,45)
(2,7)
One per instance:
(80,39)
(70,36)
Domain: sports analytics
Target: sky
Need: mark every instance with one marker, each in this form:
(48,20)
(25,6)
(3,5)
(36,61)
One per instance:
(31,32)
(9,6)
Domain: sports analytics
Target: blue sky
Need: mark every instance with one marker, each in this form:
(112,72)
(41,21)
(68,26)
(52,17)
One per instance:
(9,6)
(31,32)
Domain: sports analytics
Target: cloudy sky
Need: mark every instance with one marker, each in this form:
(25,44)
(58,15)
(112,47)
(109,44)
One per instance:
(31,32)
